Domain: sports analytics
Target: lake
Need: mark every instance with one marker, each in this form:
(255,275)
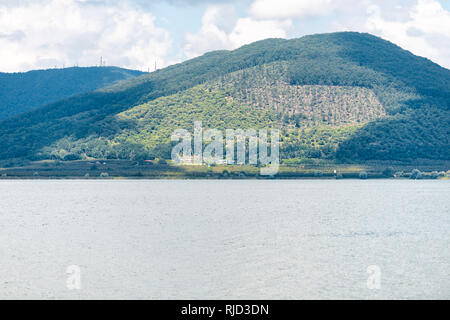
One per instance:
(225,239)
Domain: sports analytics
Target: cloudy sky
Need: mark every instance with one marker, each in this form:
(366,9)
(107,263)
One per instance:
(40,34)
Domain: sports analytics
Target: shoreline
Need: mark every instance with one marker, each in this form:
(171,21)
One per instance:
(237,178)
(203,179)
(164,170)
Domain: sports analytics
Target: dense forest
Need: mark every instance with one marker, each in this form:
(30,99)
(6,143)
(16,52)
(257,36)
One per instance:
(21,92)
(342,96)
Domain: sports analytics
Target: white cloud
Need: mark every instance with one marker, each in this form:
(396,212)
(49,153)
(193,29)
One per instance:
(421,26)
(285,9)
(68,32)
(44,33)
(248,30)
(211,36)
(426,32)
(239,31)
(431,17)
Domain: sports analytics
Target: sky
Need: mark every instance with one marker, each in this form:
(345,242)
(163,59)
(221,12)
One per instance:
(142,34)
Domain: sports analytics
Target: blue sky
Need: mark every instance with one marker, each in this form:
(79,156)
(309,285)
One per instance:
(38,34)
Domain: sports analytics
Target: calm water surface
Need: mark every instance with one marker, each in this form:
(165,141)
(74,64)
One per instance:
(225,239)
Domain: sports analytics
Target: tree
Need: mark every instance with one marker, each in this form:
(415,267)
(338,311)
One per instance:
(388,172)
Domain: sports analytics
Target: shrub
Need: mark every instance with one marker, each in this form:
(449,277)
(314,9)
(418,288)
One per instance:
(104,174)
(363,175)
(318,174)
(159,161)
(415,174)
(398,174)
(388,172)
(71,157)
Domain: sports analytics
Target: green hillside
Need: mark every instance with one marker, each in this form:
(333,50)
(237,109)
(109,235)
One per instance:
(21,92)
(340,97)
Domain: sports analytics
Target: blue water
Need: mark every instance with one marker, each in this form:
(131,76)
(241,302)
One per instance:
(225,239)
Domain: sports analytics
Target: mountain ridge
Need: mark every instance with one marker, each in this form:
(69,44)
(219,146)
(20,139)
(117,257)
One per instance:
(25,91)
(412,122)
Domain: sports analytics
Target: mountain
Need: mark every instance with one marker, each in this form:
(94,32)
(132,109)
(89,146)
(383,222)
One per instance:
(21,92)
(342,96)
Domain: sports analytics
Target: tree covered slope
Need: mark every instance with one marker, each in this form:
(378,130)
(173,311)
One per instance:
(343,96)
(20,92)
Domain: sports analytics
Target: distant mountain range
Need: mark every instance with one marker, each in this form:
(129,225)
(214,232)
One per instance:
(341,96)
(21,92)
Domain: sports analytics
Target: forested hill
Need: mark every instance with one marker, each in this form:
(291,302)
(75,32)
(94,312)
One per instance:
(340,96)
(20,92)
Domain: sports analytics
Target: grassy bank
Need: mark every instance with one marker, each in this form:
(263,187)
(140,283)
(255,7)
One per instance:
(160,169)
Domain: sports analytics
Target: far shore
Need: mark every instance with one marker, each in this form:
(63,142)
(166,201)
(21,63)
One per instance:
(162,169)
